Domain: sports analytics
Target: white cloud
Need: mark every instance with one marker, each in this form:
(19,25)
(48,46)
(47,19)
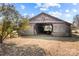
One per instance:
(38,5)
(74,10)
(24,14)
(74,3)
(53,4)
(45,6)
(66,10)
(22,7)
(56,14)
(68,15)
(31,15)
(43,9)
(59,14)
(64,16)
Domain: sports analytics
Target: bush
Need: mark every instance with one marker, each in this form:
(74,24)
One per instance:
(14,34)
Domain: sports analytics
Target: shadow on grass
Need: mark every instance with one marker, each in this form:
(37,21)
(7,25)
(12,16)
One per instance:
(73,38)
(26,50)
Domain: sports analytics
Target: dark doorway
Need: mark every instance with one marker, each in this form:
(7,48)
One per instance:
(41,28)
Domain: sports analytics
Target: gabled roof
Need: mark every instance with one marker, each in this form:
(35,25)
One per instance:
(49,16)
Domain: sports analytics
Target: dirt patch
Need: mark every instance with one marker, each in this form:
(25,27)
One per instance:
(26,50)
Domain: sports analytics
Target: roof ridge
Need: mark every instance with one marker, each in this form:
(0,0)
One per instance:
(50,16)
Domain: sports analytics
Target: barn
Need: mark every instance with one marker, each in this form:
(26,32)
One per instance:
(49,25)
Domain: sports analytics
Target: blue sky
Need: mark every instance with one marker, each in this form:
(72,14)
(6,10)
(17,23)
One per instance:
(64,11)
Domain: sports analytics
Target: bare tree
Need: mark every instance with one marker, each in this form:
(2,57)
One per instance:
(76,21)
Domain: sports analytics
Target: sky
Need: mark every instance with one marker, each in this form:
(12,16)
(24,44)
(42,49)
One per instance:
(64,11)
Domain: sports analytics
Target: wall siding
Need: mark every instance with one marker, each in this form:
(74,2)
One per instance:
(61,30)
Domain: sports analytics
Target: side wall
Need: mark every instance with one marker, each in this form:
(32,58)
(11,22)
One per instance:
(32,30)
(61,30)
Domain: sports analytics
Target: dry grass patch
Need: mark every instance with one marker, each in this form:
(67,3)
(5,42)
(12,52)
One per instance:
(51,47)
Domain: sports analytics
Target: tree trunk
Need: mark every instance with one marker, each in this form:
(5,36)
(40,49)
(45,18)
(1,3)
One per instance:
(1,41)
(2,48)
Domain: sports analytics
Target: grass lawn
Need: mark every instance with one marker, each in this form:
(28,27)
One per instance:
(53,46)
